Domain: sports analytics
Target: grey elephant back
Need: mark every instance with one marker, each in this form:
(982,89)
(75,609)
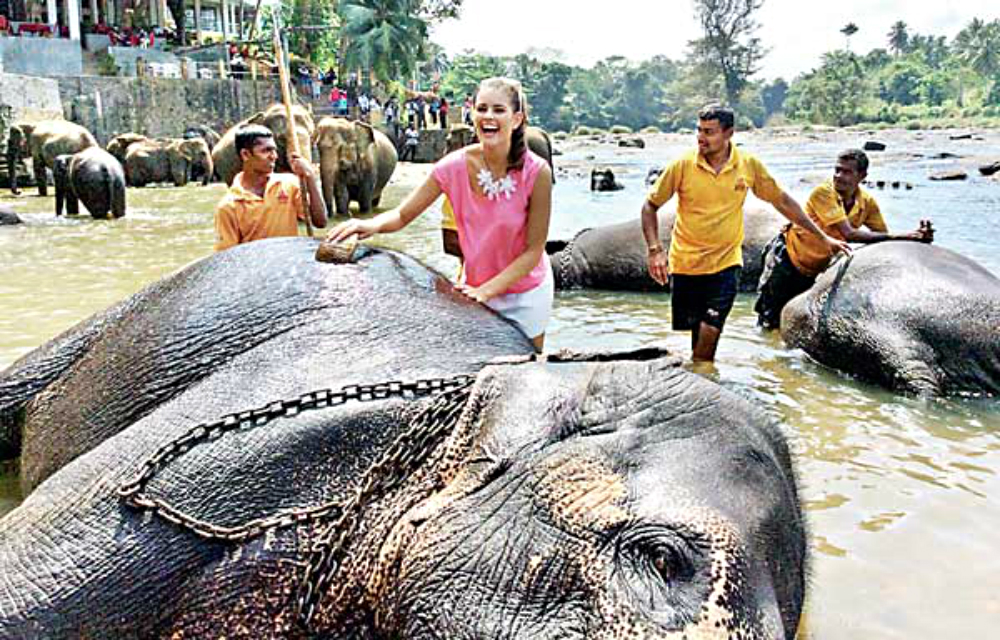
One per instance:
(613,257)
(209,314)
(911,317)
(98,180)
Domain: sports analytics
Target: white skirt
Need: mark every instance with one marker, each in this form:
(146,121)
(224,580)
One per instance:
(530,310)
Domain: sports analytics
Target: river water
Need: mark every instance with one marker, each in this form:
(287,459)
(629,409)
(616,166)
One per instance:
(902,494)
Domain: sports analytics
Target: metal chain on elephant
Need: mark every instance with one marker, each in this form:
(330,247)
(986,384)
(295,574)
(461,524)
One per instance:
(427,430)
(133,491)
(563,264)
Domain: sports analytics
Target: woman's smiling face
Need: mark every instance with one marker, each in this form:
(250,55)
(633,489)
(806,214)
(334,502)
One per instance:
(494,116)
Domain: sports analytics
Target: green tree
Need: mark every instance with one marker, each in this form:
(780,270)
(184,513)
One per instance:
(900,81)
(385,36)
(835,93)
(849,30)
(728,44)
(899,38)
(467,69)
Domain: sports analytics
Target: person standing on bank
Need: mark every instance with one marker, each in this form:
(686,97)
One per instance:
(501,193)
(705,258)
(841,208)
(263,204)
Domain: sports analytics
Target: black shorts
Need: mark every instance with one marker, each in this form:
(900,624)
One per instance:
(780,281)
(708,298)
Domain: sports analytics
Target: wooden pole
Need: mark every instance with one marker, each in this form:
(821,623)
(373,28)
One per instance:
(291,141)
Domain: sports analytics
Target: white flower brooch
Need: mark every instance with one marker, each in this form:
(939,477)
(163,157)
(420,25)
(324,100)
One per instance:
(493,188)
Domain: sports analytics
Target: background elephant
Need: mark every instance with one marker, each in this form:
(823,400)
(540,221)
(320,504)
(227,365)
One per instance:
(118,146)
(604,180)
(168,160)
(206,133)
(43,141)
(614,256)
(228,162)
(356,161)
(93,176)
(627,494)
(911,317)
(8,217)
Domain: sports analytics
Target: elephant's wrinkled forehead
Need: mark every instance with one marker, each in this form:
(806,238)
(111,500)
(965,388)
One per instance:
(650,422)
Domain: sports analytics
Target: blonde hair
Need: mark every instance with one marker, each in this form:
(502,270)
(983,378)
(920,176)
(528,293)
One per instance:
(519,104)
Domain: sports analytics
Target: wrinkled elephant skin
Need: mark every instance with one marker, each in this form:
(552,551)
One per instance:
(613,257)
(911,317)
(632,498)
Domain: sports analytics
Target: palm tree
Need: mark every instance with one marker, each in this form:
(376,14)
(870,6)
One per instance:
(899,38)
(849,30)
(386,36)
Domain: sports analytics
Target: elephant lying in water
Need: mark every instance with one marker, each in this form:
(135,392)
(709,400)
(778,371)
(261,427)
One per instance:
(545,499)
(614,256)
(911,317)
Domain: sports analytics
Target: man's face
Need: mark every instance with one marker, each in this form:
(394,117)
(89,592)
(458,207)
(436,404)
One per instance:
(712,137)
(846,176)
(262,157)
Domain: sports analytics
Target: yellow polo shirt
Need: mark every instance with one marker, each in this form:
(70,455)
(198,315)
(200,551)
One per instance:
(448,216)
(708,231)
(242,216)
(825,207)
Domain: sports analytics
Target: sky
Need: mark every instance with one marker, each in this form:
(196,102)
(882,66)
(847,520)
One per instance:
(797,32)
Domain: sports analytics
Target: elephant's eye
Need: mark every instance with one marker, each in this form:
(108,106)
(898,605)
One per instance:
(667,563)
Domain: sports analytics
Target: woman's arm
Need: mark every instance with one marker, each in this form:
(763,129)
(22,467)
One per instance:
(539,212)
(394,219)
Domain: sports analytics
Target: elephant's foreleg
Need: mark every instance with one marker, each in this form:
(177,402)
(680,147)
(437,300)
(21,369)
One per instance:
(179,174)
(343,199)
(365,196)
(118,200)
(41,179)
(72,203)
(60,194)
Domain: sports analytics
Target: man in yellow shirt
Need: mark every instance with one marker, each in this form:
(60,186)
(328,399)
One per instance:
(705,255)
(794,259)
(260,203)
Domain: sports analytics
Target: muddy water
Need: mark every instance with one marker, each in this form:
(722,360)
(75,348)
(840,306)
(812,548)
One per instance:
(902,494)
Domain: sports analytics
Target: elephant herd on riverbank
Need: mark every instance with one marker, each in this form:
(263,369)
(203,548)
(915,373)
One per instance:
(264,445)
(356,160)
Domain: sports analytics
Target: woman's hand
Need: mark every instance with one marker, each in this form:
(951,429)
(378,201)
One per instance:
(479,294)
(360,228)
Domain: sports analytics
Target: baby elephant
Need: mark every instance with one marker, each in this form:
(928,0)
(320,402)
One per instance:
(93,176)
(604,180)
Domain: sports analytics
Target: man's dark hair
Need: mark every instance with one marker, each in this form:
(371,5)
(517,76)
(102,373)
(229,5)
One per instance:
(716,111)
(859,157)
(247,136)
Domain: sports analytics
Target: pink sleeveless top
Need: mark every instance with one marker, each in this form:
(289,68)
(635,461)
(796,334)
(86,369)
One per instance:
(492,233)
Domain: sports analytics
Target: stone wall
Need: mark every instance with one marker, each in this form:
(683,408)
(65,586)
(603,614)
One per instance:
(108,106)
(25,98)
(41,56)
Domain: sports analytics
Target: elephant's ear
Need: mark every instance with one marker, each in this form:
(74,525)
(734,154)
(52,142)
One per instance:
(365,133)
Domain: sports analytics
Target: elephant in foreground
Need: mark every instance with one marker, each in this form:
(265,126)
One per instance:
(43,141)
(227,161)
(356,161)
(173,160)
(119,145)
(911,317)
(94,177)
(613,256)
(630,497)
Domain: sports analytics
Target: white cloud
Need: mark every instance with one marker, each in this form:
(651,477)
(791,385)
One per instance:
(797,32)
